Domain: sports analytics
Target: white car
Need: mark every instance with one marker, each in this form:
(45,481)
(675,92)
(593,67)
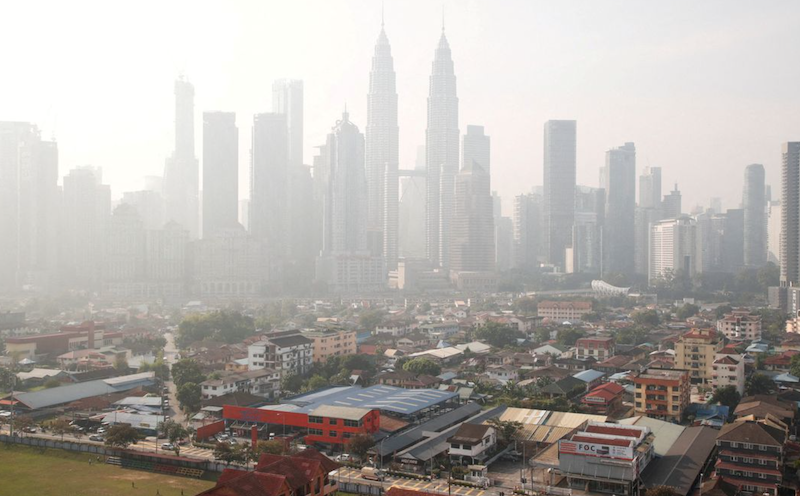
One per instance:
(344,457)
(5,413)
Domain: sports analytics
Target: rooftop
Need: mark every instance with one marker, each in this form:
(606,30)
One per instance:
(384,398)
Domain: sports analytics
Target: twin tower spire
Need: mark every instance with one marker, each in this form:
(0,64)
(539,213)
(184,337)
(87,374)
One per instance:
(382,153)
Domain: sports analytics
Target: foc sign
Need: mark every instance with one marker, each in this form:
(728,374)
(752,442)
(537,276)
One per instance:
(595,449)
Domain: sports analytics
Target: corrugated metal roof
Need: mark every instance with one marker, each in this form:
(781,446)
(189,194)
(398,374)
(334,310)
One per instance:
(340,412)
(572,420)
(135,420)
(524,415)
(73,392)
(411,436)
(683,462)
(385,398)
(665,433)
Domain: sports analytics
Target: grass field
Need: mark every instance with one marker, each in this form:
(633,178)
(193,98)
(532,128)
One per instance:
(25,470)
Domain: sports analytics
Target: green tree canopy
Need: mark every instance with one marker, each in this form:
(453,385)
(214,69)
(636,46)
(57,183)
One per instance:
(423,365)
(686,311)
(370,319)
(498,335)
(187,370)
(759,384)
(189,395)
(727,396)
(507,430)
(292,383)
(316,382)
(662,491)
(360,445)
(121,436)
(227,327)
(647,317)
(568,336)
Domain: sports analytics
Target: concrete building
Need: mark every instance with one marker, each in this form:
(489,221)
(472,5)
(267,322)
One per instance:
(471,444)
(230,263)
(585,253)
(288,353)
(650,188)
(672,207)
(150,206)
(411,235)
(287,100)
(751,455)
(182,170)
(695,352)
(559,189)
(262,382)
(563,310)
(599,348)
(673,245)
(527,219)
(220,171)
(774,232)
(662,394)
(790,214)
(754,204)
(441,148)
(740,325)
(618,233)
(382,150)
(123,252)
(328,343)
(728,370)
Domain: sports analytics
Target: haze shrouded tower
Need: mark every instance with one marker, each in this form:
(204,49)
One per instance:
(441,146)
(287,99)
(620,182)
(182,171)
(754,204)
(220,172)
(790,214)
(559,188)
(381,156)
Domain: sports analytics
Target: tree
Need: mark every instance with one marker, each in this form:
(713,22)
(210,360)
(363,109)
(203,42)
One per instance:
(498,335)
(506,430)
(569,336)
(239,453)
(7,379)
(360,444)
(121,436)
(722,310)
(60,427)
(228,327)
(727,396)
(646,318)
(292,383)
(187,370)
(542,334)
(51,383)
(273,447)
(22,422)
(662,491)
(370,319)
(759,384)
(121,363)
(686,311)
(189,396)
(795,365)
(422,366)
(174,432)
(316,382)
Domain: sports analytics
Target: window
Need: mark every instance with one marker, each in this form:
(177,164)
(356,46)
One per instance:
(346,435)
(455,446)
(332,421)
(762,448)
(314,420)
(734,458)
(353,423)
(675,398)
(315,432)
(734,444)
(747,446)
(747,460)
(333,434)
(762,475)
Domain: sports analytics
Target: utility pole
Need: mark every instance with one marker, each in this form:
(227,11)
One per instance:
(13,383)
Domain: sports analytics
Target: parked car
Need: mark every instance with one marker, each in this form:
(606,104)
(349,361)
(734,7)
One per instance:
(29,430)
(101,430)
(168,446)
(95,437)
(5,413)
(344,457)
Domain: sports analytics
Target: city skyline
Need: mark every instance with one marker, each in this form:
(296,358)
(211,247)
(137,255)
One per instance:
(710,137)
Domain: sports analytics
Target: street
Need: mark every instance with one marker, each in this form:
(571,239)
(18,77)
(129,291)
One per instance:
(348,474)
(170,357)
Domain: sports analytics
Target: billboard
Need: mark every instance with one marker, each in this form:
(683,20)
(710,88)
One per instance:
(595,449)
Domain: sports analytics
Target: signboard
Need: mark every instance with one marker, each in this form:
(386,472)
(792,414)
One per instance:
(595,449)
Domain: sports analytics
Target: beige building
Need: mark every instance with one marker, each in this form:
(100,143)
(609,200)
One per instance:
(564,310)
(331,342)
(662,394)
(740,325)
(696,351)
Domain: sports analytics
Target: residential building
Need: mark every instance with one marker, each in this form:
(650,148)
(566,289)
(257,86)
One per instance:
(261,382)
(599,348)
(740,325)
(441,148)
(220,171)
(559,189)
(606,458)
(288,354)
(695,352)
(328,343)
(754,204)
(673,245)
(182,169)
(472,444)
(563,310)
(728,370)
(619,181)
(604,399)
(662,394)
(750,454)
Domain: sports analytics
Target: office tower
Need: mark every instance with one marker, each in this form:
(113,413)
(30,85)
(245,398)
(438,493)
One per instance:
(86,207)
(472,245)
(774,231)
(584,254)
(716,204)
(790,214)
(441,146)
(504,243)
(476,147)
(650,188)
(287,99)
(150,206)
(733,241)
(28,207)
(412,228)
(673,246)
(345,263)
(381,154)
(244,212)
(229,263)
(618,233)
(269,179)
(154,183)
(644,218)
(755,220)
(220,171)
(671,206)
(710,232)
(559,189)
(299,269)
(166,261)
(123,270)
(182,170)
(528,222)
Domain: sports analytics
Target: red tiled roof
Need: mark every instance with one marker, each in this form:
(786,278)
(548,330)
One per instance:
(234,482)
(614,431)
(607,391)
(741,482)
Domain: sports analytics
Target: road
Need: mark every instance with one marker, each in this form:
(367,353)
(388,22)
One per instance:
(348,474)
(171,356)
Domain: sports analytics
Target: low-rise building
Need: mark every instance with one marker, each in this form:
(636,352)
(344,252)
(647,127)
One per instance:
(564,310)
(662,394)
(604,399)
(327,343)
(288,354)
(728,370)
(740,325)
(695,351)
(472,443)
(750,454)
(261,382)
(599,348)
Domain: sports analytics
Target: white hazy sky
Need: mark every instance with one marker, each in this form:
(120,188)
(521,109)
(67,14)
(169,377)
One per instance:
(702,88)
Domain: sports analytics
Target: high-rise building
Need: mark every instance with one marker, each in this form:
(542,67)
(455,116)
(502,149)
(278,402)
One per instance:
(229,263)
(287,99)
(755,219)
(220,171)
(411,238)
(673,246)
(586,247)
(269,179)
(650,188)
(123,270)
(28,207)
(733,241)
(182,170)
(150,206)
(618,232)
(671,206)
(299,269)
(790,214)
(472,244)
(527,219)
(382,150)
(345,263)
(476,147)
(774,231)
(559,189)
(645,218)
(441,147)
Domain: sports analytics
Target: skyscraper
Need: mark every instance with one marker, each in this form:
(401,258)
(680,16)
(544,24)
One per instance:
(673,247)
(182,171)
(755,219)
(411,236)
(476,148)
(381,155)
(671,206)
(790,214)
(220,171)
(618,235)
(527,220)
(650,188)
(441,146)
(559,189)
(287,99)
(345,263)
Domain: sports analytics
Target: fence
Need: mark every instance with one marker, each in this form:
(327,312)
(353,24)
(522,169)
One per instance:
(38,442)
